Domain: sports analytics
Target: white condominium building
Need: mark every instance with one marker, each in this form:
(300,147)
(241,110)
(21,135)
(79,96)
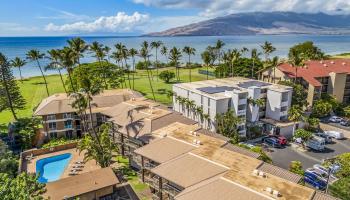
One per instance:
(251,100)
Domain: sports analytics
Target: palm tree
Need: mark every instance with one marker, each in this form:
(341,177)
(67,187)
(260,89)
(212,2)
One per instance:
(206,118)
(207,60)
(36,56)
(236,55)
(174,56)
(78,46)
(170,94)
(133,52)
(144,53)
(123,53)
(274,63)
(107,49)
(199,111)
(54,56)
(100,54)
(191,105)
(267,49)
(67,59)
(189,51)
(296,60)
(254,56)
(164,52)
(18,63)
(156,45)
(219,45)
(295,114)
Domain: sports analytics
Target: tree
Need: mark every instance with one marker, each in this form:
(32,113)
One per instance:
(174,56)
(321,108)
(347,111)
(273,64)
(102,153)
(189,51)
(219,45)
(227,125)
(18,63)
(206,57)
(26,128)
(304,135)
(67,59)
(99,54)
(344,161)
(340,188)
(123,54)
(78,46)
(299,93)
(24,187)
(307,50)
(295,114)
(8,162)
(35,55)
(133,52)
(296,60)
(313,123)
(235,56)
(166,76)
(267,49)
(144,53)
(10,95)
(254,56)
(164,52)
(296,167)
(156,45)
(54,56)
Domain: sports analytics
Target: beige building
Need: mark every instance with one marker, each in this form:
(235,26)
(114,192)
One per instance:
(317,77)
(61,120)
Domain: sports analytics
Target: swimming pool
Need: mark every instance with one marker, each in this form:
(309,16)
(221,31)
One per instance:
(51,168)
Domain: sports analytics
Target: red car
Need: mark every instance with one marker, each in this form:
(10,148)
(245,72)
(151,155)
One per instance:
(281,139)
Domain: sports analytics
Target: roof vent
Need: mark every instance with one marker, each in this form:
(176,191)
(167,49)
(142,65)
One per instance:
(268,190)
(325,65)
(256,172)
(133,99)
(199,142)
(332,62)
(194,141)
(344,63)
(321,61)
(262,174)
(276,193)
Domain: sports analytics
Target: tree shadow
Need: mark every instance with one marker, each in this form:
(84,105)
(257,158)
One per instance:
(39,83)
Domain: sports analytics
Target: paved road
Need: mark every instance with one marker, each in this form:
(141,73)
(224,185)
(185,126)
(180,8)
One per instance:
(283,157)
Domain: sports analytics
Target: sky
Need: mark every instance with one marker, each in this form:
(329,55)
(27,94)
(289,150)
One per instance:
(135,17)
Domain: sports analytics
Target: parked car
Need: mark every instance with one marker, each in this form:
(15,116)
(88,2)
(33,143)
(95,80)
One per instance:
(335,134)
(327,138)
(345,123)
(320,174)
(316,143)
(320,168)
(313,180)
(281,139)
(335,119)
(272,142)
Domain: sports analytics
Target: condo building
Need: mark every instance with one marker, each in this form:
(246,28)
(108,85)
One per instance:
(240,95)
(318,77)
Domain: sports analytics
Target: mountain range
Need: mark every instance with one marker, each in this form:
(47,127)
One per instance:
(258,23)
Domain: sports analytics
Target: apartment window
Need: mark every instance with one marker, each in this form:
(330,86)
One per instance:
(69,134)
(208,102)
(284,97)
(242,96)
(229,104)
(51,117)
(52,125)
(67,115)
(242,107)
(53,135)
(68,124)
(283,108)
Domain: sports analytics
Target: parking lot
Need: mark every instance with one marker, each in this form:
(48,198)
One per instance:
(282,157)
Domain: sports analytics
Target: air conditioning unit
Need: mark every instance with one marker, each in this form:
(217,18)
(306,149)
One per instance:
(325,65)
(198,142)
(262,174)
(332,62)
(276,193)
(344,63)
(268,190)
(194,141)
(256,172)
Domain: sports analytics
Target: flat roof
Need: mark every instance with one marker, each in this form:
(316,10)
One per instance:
(81,184)
(216,88)
(188,169)
(164,149)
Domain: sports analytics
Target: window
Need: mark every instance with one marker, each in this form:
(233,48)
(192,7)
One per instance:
(53,135)
(242,96)
(242,107)
(52,126)
(262,91)
(284,109)
(68,124)
(67,115)
(284,97)
(69,134)
(229,104)
(51,117)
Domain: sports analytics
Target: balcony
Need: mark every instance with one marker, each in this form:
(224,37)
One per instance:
(284,103)
(173,191)
(241,112)
(263,95)
(242,101)
(284,113)
(149,165)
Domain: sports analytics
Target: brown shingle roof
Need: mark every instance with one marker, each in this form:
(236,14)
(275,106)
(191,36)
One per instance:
(164,149)
(81,184)
(279,172)
(322,196)
(241,150)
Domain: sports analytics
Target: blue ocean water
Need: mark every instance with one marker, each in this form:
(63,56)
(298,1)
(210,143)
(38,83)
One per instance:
(18,46)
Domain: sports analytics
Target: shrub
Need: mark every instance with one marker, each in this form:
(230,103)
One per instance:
(296,167)
(57,142)
(166,76)
(141,65)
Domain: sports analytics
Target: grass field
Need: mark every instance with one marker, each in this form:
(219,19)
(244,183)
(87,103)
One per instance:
(342,55)
(33,90)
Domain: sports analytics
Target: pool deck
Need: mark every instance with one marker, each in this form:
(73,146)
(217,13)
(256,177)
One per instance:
(88,166)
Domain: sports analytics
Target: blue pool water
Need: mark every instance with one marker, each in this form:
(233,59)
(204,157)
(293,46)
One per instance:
(51,168)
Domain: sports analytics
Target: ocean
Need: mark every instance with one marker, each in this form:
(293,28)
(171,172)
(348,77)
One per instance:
(18,46)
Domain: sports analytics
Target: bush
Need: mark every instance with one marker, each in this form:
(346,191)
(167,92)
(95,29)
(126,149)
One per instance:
(166,76)
(57,142)
(141,65)
(296,167)
(340,188)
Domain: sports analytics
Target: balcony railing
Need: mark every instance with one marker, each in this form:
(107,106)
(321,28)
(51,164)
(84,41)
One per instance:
(241,112)
(173,191)
(149,165)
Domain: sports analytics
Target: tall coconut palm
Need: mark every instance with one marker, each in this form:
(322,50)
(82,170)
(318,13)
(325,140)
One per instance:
(174,56)
(156,45)
(296,60)
(67,59)
(236,55)
(267,49)
(219,45)
(164,52)
(255,57)
(18,63)
(122,54)
(99,54)
(54,56)
(133,52)
(78,46)
(206,60)
(35,56)
(144,53)
(274,64)
(189,51)
(107,50)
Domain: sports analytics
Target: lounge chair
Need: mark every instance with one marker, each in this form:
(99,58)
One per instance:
(78,166)
(76,170)
(73,173)
(79,162)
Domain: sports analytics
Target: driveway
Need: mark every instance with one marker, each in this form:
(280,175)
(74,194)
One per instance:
(283,157)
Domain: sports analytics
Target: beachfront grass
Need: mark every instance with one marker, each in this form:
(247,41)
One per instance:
(33,90)
(342,55)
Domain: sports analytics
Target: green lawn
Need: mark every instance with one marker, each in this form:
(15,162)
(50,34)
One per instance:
(33,90)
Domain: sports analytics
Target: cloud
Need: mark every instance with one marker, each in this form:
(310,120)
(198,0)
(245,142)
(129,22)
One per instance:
(114,24)
(211,8)
(64,15)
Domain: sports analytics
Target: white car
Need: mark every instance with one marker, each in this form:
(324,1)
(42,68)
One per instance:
(335,134)
(335,119)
